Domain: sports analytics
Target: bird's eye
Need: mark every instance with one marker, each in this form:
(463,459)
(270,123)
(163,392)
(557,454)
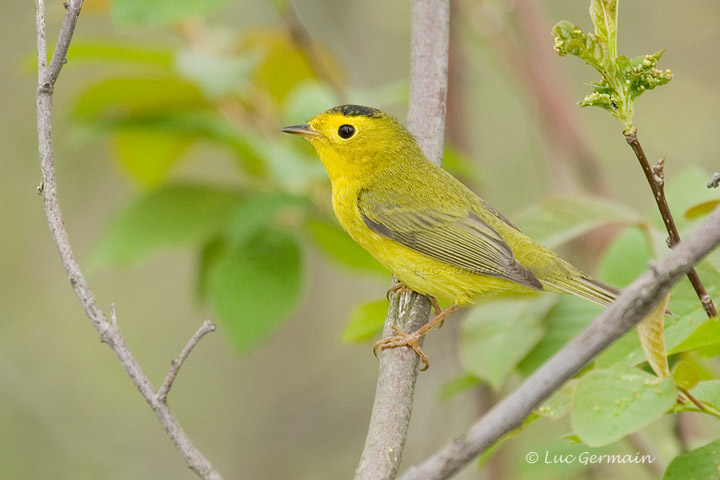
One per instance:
(346,131)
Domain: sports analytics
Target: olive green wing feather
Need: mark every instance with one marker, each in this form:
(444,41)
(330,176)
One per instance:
(450,234)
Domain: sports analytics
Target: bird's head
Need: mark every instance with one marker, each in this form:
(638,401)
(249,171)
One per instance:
(356,140)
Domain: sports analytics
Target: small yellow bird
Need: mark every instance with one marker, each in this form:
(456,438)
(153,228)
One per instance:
(422,224)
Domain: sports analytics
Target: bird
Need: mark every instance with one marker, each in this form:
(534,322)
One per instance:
(431,231)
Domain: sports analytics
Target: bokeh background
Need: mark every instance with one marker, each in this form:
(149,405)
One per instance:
(297,405)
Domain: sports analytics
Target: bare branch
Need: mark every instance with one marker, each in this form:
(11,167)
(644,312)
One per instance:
(655,178)
(107,329)
(630,308)
(392,407)
(176,364)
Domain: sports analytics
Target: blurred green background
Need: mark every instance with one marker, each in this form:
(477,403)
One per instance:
(297,405)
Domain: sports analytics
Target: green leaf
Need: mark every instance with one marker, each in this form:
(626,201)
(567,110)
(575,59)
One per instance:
(558,405)
(685,375)
(708,334)
(457,385)
(699,464)
(689,315)
(610,404)
(603,14)
(563,323)
(339,246)
(626,258)
(123,97)
(147,156)
(498,334)
(688,193)
(651,332)
(171,216)
(366,321)
(707,392)
(142,55)
(157,13)
(623,80)
(259,212)
(254,286)
(555,221)
(571,40)
(701,209)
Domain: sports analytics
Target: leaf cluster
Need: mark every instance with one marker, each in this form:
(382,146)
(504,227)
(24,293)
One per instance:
(623,79)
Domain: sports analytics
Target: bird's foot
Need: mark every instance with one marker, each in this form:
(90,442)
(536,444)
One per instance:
(397,287)
(412,340)
(402,339)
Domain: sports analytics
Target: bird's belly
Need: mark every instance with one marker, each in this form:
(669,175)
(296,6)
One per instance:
(434,278)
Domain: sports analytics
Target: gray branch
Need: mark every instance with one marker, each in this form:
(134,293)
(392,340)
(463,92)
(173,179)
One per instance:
(395,389)
(632,305)
(107,329)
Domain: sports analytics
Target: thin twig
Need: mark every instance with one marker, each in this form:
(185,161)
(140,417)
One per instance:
(655,178)
(631,306)
(176,364)
(107,329)
(395,389)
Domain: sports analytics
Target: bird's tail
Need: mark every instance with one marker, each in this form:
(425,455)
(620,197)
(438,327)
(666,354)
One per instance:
(587,288)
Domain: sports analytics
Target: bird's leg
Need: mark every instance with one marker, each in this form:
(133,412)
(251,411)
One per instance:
(412,340)
(397,287)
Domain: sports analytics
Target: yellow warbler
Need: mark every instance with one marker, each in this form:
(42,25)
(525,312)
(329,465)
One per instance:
(422,224)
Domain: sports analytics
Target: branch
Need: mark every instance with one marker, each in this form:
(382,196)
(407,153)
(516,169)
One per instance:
(107,329)
(631,306)
(176,364)
(656,179)
(392,407)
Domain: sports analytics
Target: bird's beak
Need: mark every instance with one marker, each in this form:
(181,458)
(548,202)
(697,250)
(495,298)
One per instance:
(304,130)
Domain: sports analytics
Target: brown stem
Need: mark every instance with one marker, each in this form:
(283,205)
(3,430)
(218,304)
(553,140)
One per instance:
(655,178)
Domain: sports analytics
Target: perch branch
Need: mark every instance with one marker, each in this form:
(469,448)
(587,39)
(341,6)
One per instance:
(395,389)
(107,329)
(631,307)
(655,177)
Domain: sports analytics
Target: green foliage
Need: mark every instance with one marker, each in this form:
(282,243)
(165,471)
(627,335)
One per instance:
(498,334)
(255,284)
(157,13)
(457,385)
(234,93)
(555,221)
(173,216)
(701,463)
(611,403)
(559,404)
(338,245)
(623,79)
(366,322)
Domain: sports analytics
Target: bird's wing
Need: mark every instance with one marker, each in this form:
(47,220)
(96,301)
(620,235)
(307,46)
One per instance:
(453,235)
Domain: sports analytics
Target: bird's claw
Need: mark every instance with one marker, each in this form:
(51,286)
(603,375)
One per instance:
(402,339)
(397,287)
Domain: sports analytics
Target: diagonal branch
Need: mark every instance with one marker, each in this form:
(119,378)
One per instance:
(107,329)
(392,407)
(655,178)
(630,308)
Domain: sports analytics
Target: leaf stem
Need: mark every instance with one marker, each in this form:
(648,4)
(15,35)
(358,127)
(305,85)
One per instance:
(655,178)
(700,405)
